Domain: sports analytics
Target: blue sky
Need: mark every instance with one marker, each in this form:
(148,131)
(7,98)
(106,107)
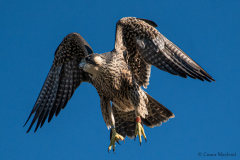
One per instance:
(206,114)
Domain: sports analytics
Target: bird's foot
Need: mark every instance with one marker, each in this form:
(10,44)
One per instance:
(139,130)
(115,138)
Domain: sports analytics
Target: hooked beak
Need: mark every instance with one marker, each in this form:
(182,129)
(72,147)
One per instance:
(82,64)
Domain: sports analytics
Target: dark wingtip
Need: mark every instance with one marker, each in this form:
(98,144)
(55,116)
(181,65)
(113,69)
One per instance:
(29,129)
(149,22)
(36,127)
(50,117)
(209,79)
(33,121)
(207,76)
(27,120)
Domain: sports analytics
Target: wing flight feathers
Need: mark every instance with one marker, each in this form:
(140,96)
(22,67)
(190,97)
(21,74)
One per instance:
(136,37)
(62,80)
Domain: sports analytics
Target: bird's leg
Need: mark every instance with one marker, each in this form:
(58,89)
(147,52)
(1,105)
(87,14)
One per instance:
(115,137)
(139,130)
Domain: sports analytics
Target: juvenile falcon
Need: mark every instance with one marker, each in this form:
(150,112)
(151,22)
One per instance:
(117,76)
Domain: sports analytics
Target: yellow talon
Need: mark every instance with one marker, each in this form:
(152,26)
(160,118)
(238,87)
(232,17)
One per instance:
(139,131)
(115,138)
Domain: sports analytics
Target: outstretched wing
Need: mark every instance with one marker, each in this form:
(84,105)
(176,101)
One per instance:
(143,45)
(62,80)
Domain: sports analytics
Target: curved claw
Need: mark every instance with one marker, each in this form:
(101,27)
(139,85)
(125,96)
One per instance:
(119,143)
(115,137)
(139,131)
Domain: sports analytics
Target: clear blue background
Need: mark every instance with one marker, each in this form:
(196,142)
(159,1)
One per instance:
(207,114)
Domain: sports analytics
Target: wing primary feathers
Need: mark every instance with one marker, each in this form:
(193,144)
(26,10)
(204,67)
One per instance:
(139,36)
(61,94)
(166,58)
(70,92)
(50,102)
(70,85)
(184,59)
(57,99)
(40,96)
(182,70)
(62,80)
(149,22)
(173,68)
(65,92)
(149,53)
(188,69)
(46,92)
(55,88)
(38,112)
(43,104)
(45,107)
(55,105)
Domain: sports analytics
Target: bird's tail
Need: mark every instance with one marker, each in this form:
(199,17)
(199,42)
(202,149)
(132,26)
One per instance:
(125,122)
(157,113)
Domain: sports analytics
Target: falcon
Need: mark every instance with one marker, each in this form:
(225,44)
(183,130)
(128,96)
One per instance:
(118,77)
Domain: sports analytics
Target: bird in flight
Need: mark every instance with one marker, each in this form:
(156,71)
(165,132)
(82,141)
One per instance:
(118,77)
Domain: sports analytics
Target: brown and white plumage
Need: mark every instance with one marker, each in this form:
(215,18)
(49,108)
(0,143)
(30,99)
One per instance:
(62,80)
(140,38)
(117,75)
(125,121)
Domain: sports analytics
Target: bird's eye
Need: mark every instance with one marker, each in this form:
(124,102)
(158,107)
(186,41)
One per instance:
(88,58)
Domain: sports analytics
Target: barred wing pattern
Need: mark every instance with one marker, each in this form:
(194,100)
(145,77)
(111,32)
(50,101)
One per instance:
(157,113)
(62,80)
(142,43)
(125,123)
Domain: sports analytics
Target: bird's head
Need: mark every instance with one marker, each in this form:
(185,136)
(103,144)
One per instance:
(92,63)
